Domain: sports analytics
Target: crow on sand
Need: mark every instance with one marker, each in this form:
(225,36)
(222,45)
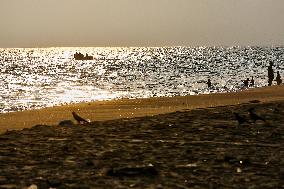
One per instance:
(79,119)
(254,116)
(240,118)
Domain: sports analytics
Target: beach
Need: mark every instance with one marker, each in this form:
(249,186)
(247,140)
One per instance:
(129,108)
(165,143)
(149,94)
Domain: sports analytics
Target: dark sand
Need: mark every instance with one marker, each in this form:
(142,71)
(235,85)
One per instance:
(201,148)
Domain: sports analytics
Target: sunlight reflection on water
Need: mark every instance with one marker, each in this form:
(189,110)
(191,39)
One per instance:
(32,78)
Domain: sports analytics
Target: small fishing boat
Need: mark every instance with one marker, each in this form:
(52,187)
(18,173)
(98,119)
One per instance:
(80,56)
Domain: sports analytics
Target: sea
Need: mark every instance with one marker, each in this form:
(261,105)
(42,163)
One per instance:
(42,77)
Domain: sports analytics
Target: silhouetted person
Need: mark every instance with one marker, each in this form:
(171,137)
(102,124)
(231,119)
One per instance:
(78,118)
(254,116)
(270,74)
(278,78)
(252,81)
(209,84)
(246,82)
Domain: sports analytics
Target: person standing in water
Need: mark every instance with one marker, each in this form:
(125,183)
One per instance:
(209,84)
(270,74)
(246,82)
(251,82)
(278,78)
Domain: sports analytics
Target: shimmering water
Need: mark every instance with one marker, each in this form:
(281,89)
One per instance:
(41,77)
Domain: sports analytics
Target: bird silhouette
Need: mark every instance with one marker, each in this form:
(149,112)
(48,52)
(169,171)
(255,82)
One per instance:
(240,118)
(254,116)
(79,119)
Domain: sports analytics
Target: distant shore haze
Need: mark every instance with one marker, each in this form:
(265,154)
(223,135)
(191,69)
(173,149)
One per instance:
(141,23)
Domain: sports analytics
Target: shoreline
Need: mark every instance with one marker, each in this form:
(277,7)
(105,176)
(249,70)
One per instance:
(129,108)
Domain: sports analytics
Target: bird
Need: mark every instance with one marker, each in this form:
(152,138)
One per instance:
(79,119)
(254,116)
(240,118)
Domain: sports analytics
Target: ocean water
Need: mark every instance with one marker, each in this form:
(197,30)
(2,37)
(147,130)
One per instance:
(41,77)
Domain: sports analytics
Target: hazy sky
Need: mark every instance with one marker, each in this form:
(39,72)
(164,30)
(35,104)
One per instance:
(45,23)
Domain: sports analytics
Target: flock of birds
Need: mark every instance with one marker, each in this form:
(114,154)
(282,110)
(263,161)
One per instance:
(240,118)
(253,116)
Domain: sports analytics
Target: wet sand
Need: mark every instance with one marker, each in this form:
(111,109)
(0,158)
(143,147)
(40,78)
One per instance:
(200,148)
(128,108)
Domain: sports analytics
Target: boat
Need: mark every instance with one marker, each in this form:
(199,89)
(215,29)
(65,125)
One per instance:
(80,56)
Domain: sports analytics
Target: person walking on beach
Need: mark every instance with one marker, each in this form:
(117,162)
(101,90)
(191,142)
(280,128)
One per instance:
(270,74)
(278,78)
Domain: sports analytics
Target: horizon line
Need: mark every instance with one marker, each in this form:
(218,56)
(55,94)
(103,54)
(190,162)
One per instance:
(162,46)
